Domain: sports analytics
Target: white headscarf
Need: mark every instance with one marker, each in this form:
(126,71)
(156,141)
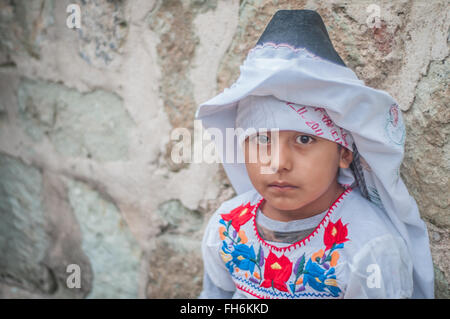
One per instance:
(266,113)
(371,116)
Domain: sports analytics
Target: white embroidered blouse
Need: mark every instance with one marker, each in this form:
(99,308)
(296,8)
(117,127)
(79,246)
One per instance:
(354,252)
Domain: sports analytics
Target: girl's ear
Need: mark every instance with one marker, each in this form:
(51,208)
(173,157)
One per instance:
(345,157)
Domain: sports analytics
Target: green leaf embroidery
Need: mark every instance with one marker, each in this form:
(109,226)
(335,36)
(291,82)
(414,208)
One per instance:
(301,266)
(259,255)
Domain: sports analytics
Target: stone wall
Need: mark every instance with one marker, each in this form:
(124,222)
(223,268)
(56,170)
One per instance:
(86,176)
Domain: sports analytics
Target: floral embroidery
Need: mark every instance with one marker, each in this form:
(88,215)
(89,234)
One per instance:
(236,254)
(394,127)
(334,234)
(276,275)
(243,257)
(277,271)
(319,272)
(239,216)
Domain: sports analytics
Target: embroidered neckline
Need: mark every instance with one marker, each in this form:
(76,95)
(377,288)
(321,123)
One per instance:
(264,273)
(302,242)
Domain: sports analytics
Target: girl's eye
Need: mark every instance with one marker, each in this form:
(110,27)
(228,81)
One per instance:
(304,139)
(262,139)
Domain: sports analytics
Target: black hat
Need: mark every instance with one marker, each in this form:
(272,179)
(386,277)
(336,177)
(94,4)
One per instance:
(301,29)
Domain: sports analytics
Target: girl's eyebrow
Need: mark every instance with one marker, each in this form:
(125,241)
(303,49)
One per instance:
(301,133)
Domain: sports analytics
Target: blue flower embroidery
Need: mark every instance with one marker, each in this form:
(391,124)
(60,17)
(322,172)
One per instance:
(320,279)
(243,257)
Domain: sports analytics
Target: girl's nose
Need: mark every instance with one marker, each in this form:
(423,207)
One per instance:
(281,159)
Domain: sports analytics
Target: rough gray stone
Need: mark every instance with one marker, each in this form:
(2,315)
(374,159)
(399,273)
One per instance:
(38,236)
(103,32)
(93,125)
(175,268)
(177,218)
(441,286)
(439,242)
(30,21)
(106,240)
(2,111)
(23,239)
(426,164)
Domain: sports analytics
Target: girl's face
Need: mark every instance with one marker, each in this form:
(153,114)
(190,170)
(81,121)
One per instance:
(300,178)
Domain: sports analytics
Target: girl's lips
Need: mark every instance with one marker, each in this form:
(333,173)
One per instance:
(282,186)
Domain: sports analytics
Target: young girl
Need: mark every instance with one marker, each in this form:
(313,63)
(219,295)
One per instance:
(328,216)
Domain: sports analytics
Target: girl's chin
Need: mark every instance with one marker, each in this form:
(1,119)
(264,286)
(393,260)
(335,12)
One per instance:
(284,204)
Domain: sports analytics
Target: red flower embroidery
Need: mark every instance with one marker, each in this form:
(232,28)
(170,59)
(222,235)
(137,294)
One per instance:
(335,233)
(276,272)
(239,216)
